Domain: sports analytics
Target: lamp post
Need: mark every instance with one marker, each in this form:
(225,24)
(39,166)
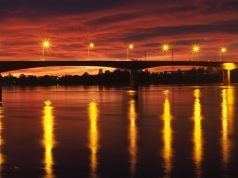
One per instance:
(90,46)
(196,49)
(45,45)
(166,48)
(223,51)
(145,53)
(130,47)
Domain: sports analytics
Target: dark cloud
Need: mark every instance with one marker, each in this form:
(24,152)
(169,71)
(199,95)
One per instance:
(57,7)
(114,18)
(142,34)
(189,42)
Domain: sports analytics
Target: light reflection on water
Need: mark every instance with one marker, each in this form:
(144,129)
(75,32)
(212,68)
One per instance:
(2,160)
(227,107)
(145,139)
(197,132)
(48,139)
(93,138)
(167,135)
(133,133)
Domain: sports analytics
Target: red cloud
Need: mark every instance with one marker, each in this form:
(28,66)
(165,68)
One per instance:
(147,25)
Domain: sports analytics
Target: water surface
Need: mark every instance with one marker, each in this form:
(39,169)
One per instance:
(97,132)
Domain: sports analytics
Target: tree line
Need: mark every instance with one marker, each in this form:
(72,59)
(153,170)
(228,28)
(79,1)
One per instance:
(121,77)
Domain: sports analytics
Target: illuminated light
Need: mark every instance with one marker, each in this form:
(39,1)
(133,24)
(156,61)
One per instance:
(231,102)
(46,44)
(132,92)
(224,127)
(47,103)
(132,136)
(2,160)
(223,50)
(93,138)
(166,92)
(131,46)
(91,45)
(165,47)
(196,49)
(227,106)
(229,66)
(48,139)
(167,135)
(197,133)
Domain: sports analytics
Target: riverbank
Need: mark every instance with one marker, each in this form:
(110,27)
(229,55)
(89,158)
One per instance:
(122,78)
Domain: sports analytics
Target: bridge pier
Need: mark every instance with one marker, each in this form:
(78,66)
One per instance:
(1,83)
(226,77)
(133,80)
(0,93)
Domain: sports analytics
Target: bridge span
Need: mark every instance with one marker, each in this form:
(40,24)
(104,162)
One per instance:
(6,66)
(132,65)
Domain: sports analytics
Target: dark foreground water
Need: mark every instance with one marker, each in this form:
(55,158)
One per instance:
(81,132)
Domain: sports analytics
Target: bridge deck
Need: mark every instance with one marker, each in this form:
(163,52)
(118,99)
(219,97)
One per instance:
(123,64)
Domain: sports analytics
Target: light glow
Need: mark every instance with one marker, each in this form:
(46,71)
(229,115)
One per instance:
(2,160)
(48,139)
(197,132)
(167,135)
(131,46)
(132,136)
(227,107)
(46,44)
(91,45)
(223,50)
(196,49)
(165,47)
(93,137)
(229,66)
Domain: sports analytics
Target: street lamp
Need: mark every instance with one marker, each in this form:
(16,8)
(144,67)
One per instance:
(223,51)
(195,49)
(90,46)
(45,45)
(166,48)
(130,47)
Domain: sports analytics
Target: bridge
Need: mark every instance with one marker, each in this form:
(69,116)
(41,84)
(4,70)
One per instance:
(132,65)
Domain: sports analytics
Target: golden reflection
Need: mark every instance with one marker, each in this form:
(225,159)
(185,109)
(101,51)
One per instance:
(1,138)
(48,139)
(93,138)
(227,121)
(229,66)
(167,135)
(132,135)
(197,135)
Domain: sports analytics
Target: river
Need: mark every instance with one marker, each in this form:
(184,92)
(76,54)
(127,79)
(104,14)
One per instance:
(99,132)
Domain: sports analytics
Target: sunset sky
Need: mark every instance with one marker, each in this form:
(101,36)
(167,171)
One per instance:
(111,24)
